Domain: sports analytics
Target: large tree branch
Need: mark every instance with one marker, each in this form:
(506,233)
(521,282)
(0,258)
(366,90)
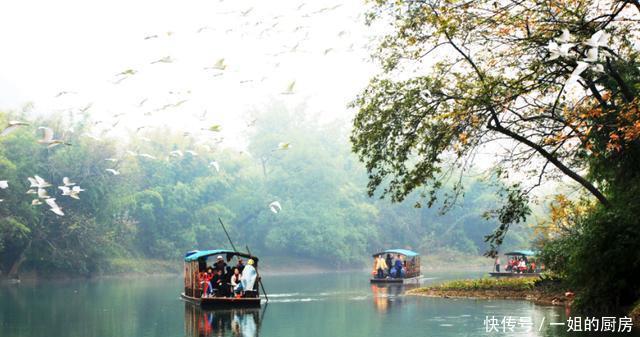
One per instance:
(552,159)
(496,126)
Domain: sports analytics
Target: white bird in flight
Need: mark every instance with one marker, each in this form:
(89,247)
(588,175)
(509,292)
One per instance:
(54,207)
(289,89)
(47,138)
(146,155)
(556,51)
(13,125)
(71,192)
(592,55)
(214,128)
(215,165)
(67,182)
(598,39)
(166,59)
(284,146)
(176,153)
(38,182)
(580,68)
(275,207)
(4,184)
(42,193)
(112,171)
(219,65)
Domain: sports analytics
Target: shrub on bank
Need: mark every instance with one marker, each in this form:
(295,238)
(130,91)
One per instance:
(504,284)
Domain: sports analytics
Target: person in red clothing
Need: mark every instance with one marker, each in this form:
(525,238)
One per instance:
(206,279)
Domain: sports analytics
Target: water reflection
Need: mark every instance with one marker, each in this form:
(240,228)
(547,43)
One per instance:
(199,322)
(387,295)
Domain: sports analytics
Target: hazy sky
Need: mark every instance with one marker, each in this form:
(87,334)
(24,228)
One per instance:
(74,46)
(79,47)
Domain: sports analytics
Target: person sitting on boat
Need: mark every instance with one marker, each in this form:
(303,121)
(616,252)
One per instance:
(240,265)
(381,266)
(206,280)
(398,266)
(389,262)
(227,274)
(394,272)
(235,281)
(522,266)
(217,282)
(220,264)
(248,277)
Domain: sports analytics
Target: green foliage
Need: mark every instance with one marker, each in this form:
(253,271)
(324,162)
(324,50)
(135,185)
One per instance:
(502,284)
(601,261)
(491,76)
(158,209)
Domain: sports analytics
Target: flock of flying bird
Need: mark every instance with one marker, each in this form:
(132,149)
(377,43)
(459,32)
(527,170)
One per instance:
(38,185)
(564,45)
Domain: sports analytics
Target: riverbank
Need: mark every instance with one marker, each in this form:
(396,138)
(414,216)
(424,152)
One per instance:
(529,288)
(269,265)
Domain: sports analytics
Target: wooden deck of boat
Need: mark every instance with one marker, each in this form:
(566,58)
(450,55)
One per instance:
(223,302)
(414,279)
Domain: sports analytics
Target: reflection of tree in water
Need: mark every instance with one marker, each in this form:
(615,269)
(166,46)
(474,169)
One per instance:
(230,322)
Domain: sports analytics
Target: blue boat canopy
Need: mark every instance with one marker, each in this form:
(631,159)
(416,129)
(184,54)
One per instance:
(203,254)
(521,253)
(404,252)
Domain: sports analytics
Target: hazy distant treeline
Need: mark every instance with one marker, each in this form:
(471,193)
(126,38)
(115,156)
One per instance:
(161,204)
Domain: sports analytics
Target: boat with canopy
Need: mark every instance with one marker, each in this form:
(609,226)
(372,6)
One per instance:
(520,263)
(197,263)
(407,270)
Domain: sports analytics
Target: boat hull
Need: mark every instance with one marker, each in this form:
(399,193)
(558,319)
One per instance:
(223,302)
(414,279)
(509,274)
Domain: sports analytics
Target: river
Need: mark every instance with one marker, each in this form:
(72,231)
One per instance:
(327,304)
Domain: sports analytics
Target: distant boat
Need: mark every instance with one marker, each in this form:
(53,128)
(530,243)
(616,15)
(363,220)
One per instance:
(528,256)
(195,264)
(411,267)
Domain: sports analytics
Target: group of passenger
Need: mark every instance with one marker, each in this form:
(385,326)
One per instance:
(390,267)
(519,264)
(222,280)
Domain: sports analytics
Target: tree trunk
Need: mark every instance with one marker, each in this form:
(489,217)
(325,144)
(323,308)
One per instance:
(15,268)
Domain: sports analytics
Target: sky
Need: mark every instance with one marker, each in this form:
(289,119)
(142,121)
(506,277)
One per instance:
(65,55)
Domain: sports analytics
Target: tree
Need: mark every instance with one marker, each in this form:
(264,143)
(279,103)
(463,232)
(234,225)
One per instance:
(492,76)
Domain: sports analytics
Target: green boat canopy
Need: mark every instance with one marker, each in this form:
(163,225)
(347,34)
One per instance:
(404,252)
(521,253)
(203,254)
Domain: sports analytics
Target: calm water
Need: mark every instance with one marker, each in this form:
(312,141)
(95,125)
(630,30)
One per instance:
(330,304)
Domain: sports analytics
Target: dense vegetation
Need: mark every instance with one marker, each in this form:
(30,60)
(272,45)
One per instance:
(556,83)
(159,208)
